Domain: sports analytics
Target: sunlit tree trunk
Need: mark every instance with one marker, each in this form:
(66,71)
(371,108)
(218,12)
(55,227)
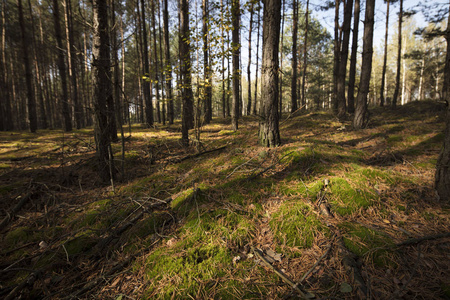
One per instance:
(185,72)
(269,134)
(342,70)
(146,83)
(206,64)
(383,74)
(281,60)
(305,55)
(361,114)
(442,178)
(294,77)
(236,53)
(257,61)
(101,79)
(168,68)
(249,79)
(399,57)
(352,71)
(337,48)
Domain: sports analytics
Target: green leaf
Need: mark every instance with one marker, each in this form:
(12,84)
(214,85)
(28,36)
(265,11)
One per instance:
(345,288)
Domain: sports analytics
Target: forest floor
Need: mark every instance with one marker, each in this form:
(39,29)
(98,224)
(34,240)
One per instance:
(332,213)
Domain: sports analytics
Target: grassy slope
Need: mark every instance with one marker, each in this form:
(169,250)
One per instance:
(377,182)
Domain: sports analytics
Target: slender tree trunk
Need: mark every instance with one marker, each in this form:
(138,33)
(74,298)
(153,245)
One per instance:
(161,66)
(294,78)
(249,79)
(155,69)
(206,64)
(281,60)
(305,54)
(31,103)
(168,70)
(361,114)
(62,68)
(236,53)
(269,134)
(352,71)
(101,70)
(383,75)
(442,177)
(399,57)
(147,89)
(337,47)
(6,92)
(116,75)
(342,71)
(185,72)
(257,61)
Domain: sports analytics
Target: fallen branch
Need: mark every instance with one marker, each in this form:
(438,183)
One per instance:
(296,286)
(424,238)
(15,210)
(291,114)
(268,168)
(178,160)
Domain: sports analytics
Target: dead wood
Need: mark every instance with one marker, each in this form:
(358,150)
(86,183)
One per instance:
(28,281)
(178,160)
(424,238)
(15,210)
(296,286)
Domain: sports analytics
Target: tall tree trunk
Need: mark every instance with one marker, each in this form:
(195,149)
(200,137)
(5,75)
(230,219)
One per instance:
(442,177)
(185,72)
(281,60)
(222,42)
(168,68)
(305,54)
(146,83)
(269,134)
(31,102)
(206,64)
(257,61)
(155,69)
(101,71)
(294,78)
(249,79)
(361,114)
(337,47)
(383,75)
(62,68)
(352,71)
(399,57)
(342,71)
(236,53)
(6,92)
(73,63)
(116,74)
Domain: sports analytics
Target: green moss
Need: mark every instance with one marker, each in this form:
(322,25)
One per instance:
(394,139)
(295,224)
(446,289)
(178,272)
(347,199)
(364,241)
(16,236)
(79,244)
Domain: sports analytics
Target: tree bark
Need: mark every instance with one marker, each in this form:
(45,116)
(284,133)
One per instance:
(236,53)
(399,57)
(269,134)
(101,71)
(31,102)
(5,101)
(146,83)
(361,114)
(155,70)
(352,71)
(168,69)
(383,74)
(185,72)
(206,64)
(249,79)
(257,62)
(442,177)
(337,47)
(305,54)
(342,71)
(294,78)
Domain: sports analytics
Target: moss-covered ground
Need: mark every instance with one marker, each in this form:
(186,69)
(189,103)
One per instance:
(177,225)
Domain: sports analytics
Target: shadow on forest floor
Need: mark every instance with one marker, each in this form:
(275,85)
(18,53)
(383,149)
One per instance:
(353,212)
